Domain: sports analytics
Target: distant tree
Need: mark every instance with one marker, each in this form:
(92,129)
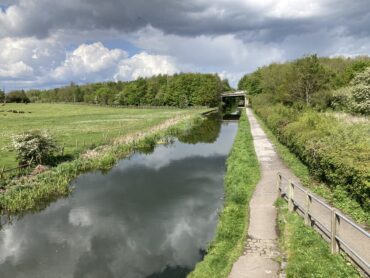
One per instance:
(225,85)
(17,96)
(2,96)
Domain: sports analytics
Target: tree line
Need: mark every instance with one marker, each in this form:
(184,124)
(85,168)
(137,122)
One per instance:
(180,90)
(295,100)
(319,82)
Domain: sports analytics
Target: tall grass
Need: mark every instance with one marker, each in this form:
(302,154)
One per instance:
(308,255)
(241,178)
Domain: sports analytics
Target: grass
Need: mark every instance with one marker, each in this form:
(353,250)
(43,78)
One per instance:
(77,127)
(337,196)
(308,255)
(241,178)
(34,193)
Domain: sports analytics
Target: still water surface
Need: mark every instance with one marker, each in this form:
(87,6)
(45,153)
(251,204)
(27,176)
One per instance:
(150,216)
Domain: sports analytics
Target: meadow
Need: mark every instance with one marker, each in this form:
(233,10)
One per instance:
(77,127)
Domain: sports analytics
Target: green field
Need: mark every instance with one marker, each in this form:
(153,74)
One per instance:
(77,127)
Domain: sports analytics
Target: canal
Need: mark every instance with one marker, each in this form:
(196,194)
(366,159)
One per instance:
(152,215)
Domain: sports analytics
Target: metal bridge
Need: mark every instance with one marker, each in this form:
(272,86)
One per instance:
(236,94)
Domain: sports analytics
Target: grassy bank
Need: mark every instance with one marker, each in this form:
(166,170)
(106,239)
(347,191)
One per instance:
(308,255)
(32,193)
(77,127)
(240,180)
(336,196)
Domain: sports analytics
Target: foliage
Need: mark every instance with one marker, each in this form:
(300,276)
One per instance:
(361,93)
(335,153)
(240,180)
(308,255)
(337,196)
(33,147)
(17,96)
(314,81)
(180,90)
(2,96)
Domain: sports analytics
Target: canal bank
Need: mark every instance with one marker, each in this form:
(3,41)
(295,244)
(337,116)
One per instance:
(241,178)
(151,215)
(35,192)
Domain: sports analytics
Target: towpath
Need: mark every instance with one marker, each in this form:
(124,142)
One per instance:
(261,246)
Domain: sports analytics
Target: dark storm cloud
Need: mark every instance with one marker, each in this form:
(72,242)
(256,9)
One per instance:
(185,18)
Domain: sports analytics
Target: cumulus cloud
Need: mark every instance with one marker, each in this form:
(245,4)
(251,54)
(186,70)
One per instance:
(144,65)
(88,60)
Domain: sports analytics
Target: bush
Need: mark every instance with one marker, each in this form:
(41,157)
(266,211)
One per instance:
(335,153)
(361,99)
(33,147)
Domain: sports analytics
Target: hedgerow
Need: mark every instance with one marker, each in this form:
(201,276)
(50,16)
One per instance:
(335,152)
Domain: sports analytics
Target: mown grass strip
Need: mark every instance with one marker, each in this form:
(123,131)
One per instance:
(308,255)
(241,178)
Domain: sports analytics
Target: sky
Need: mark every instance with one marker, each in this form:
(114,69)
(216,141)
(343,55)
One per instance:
(49,43)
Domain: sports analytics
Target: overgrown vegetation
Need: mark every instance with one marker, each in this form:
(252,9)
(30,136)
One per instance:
(308,255)
(289,97)
(180,90)
(240,180)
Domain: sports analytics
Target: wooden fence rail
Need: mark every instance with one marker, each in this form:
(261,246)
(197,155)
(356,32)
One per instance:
(4,171)
(343,234)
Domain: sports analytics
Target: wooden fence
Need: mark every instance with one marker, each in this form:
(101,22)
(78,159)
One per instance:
(343,233)
(4,172)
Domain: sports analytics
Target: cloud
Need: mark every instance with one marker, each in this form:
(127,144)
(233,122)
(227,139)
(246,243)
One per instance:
(144,65)
(50,42)
(190,18)
(88,61)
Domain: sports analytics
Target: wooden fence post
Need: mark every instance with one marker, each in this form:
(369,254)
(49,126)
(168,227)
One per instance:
(307,217)
(334,242)
(278,183)
(291,196)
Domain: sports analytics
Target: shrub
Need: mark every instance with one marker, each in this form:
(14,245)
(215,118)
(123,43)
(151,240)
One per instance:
(361,99)
(33,147)
(335,153)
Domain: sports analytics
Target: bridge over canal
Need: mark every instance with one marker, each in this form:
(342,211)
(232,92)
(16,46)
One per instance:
(236,94)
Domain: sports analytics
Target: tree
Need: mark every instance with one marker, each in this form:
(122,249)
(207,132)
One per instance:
(307,77)
(17,96)
(2,96)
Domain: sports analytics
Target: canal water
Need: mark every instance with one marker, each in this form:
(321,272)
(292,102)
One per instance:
(152,215)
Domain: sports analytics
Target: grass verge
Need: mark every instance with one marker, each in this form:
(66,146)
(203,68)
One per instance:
(241,178)
(336,196)
(308,255)
(33,193)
